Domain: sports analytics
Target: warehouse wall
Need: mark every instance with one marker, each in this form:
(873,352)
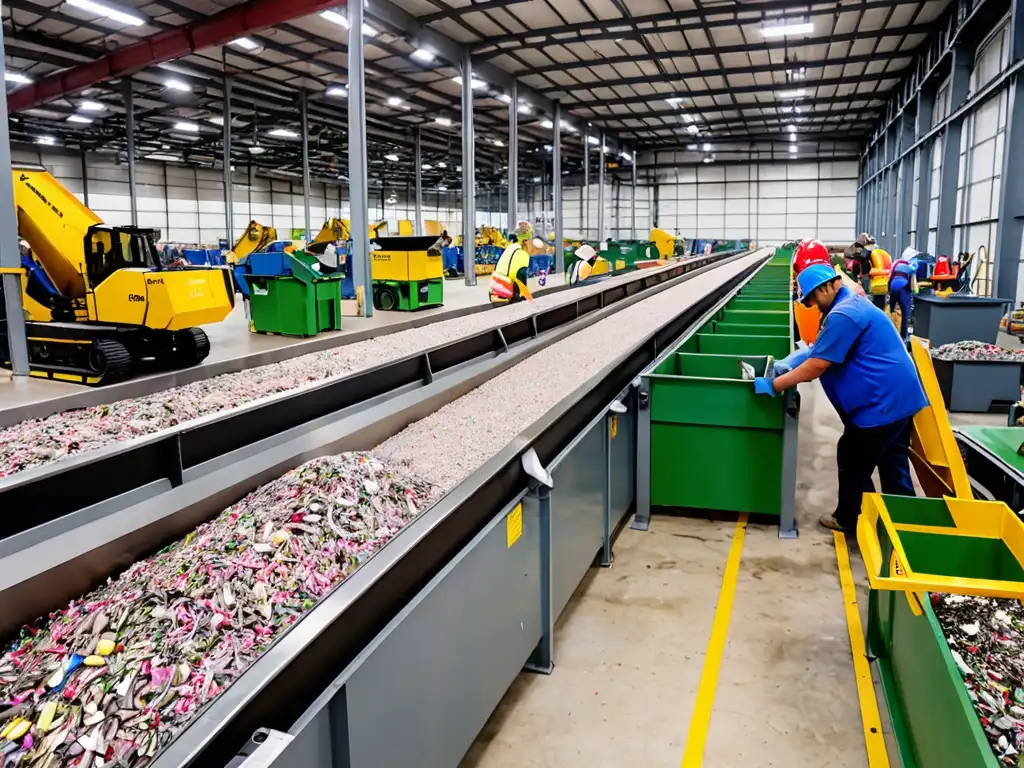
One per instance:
(770,203)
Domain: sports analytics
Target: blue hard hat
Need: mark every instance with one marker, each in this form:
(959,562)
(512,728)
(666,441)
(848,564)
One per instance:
(812,277)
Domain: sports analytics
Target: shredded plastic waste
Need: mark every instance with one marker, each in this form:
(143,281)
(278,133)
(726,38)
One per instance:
(963,351)
(113,677)
(747,371)
(985,636)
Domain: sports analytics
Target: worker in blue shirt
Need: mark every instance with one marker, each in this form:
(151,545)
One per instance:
(871,381)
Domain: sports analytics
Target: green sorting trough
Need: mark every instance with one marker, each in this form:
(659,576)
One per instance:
(748,329)
(775,305)
(755,317)
(933,720)
(725,344)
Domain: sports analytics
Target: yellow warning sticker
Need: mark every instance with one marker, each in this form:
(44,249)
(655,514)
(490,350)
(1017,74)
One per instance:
(895,566)
(614,428)
(514,525)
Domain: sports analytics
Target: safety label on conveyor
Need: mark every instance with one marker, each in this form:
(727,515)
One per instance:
(514,525)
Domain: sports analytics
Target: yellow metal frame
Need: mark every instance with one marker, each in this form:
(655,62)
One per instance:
(975,519)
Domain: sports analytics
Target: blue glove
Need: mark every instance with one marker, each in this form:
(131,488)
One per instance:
(794,359)
(764,386)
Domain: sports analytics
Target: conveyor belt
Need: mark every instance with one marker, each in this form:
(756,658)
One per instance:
(276,689)
(154,463)
(993,465)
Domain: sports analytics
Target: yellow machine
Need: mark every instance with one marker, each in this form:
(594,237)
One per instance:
(432,227)
(333,229)
(491,236)
(407,273)
(255,238)
(97,299)
(668,244)
(405,228)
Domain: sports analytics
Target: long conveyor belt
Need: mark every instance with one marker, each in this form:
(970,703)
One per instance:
(286,681)
(128,471)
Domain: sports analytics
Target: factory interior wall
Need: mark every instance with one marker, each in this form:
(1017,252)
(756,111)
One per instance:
(580,207)
(770,203)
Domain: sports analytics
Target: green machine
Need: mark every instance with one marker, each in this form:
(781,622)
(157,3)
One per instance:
(301,302)
(407,272)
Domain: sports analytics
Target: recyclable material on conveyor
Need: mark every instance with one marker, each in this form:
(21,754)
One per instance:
(974,351)
(38,442)
(117,674)
(986,636)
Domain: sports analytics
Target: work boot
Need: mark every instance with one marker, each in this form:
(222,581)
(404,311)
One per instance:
(829,522)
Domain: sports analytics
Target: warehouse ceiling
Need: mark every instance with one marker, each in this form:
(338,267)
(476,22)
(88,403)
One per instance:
(673,74)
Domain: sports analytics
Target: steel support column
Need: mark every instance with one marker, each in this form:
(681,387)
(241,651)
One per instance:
(600,188)
(556,186)
(85,179)
(925,105)
(1010,210)
(959,84)
(304,123)
(632,196)
(468,172)
(10,253)
(905,200)
(229,212)
(585,194)
(513,158)
(129,128)
(418,202)
(359,256)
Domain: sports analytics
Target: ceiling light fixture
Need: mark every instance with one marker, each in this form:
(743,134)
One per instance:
(190,127)
(626,156)
(546,124)
(674,100)
(427,167)
(392,157)
(17,77)
(791,128)
(164,158)
(566,126)
(477,84)
(523,109)
(442,164)
(394,101)
(79,119)
(707,147)
(792,137)
(548,148)
(798,93)
(445,121)
(341,91)
(692,147)
(502,97)
(46,141)
(442,188)
(693,130)
(792,150)
(177,85)
(708,159)
(787,29)
(245,42)
(499,143)
(216,119)
(283,133)
(593,140)
(92,106)
(422,54)
(257,150)
(107,11)
(797,74)
(336,18)
(536,179)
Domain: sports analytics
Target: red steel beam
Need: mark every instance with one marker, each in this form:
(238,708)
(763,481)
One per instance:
(164,46)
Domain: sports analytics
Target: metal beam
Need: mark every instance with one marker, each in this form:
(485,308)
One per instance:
(85,178)
(129,129)
(585,195)
(418,161)
(165,46)
(229,212)
(1011,210)
(925,104)
(478,7)
(10,253)
(905,199)
(357,166)
(556,186)
(632,195)
(304,122)
(468,172)
(600,189)
(959,83)
(513,158)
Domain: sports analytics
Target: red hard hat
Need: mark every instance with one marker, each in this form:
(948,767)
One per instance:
(810,252)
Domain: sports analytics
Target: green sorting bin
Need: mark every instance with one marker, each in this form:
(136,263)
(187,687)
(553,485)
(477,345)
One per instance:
(755,316)
(303,303)
(748,329)
(775,305)
(726,344)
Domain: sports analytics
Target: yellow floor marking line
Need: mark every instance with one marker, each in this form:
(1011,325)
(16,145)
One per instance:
(874,741)
(697,736)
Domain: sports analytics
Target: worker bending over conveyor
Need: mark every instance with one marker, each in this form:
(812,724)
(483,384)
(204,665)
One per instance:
(902,277)
(871,381)
(511,273)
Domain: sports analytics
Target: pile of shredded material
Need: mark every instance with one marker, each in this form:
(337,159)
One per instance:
(962,351)
(113,677)
(986,636)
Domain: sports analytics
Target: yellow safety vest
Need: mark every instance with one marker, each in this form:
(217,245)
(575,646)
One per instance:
(512,259)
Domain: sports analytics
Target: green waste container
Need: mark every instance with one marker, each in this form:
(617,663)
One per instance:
(303,303)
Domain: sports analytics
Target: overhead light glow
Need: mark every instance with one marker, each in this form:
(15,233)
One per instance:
(257,150)
(107,11)
(524,109)
(46,141)
(536,179)
(17,77)
(798,93)
(707,147)
(442,188)
(79,119)
(216,119)
(693,130)
(593,140)
(549,148)
(177,85)
(502,97)
(792,137)
(687,117)
(245,42)
(445,121)
(392,157)
(708,159)
(336,18)
(442,164)
(791,128)
(476,84)
(546,124)
(692,147)
(625,156)
(341,91)
(164,158)
(427,167)
(787,30)
(499,143)
(92,106)
(566,126)
(674,100)
(797,74)
(190,127)
(394,101)
(422,54)
(283,133)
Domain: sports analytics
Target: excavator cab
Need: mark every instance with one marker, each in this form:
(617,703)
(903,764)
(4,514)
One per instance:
(108,249)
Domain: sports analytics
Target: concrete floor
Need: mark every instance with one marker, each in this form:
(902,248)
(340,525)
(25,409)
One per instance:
(630,647)
(231,339)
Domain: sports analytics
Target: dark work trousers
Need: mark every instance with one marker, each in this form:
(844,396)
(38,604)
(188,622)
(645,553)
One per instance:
(904,298)
(859,452)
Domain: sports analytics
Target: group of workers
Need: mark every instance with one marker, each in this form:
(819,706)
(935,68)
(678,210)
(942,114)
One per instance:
(866,372)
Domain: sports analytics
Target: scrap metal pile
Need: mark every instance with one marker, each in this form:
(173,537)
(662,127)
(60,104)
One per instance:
(986,637)
(977,351)
(114,676)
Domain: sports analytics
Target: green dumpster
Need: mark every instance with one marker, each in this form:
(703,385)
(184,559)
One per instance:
(303,303)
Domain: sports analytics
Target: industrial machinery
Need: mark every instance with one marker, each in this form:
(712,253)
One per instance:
(407,273)
(255,238)
(293,297)
(668,244)
(97,299)
(333,229)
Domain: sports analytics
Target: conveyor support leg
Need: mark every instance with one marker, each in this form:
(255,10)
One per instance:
(642,519)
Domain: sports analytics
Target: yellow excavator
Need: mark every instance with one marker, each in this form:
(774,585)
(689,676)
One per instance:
(333,229)
(98,302)
(255,238)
